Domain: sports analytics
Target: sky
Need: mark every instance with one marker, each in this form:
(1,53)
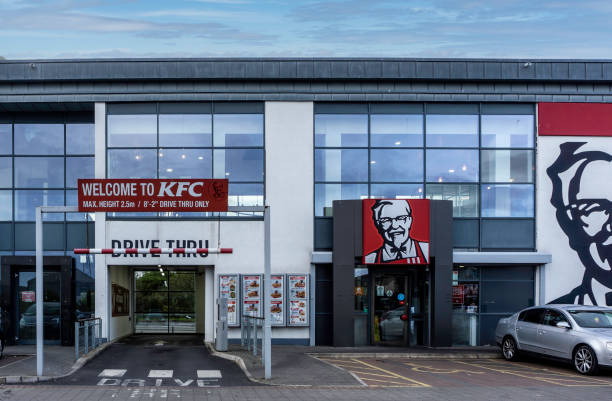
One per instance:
(44,29)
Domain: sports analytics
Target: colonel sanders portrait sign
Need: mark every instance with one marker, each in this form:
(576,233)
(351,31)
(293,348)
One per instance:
(396,231)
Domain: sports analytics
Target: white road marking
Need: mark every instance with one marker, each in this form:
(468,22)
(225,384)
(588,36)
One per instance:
(112,373)
(209,374)
(161,374)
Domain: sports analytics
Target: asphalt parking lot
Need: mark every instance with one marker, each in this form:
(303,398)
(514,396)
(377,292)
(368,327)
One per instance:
(404,372)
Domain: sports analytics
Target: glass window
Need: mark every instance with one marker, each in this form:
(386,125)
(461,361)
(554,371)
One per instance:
(533,315)
(6,205)
(72,200)
(396,130)
(592,319)
(361,289)
(190,130)
(464,197)
(341,165)
(78,167)
(132,131)
(326,193)
(26,201)
(452,165)
(185,163)
(396,191)
(6,139)
(132,163)
(510,131)
(6,172)
(348,130)
(452,130)
(507,200)
(552,317)
(507,165)
(39,172)
(245,195)
(468,274)
(239,164)
(39,139)
(80,139)
(181,281)
(232,130)
(396,165)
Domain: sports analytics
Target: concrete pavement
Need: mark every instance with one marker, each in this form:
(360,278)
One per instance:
(20,361)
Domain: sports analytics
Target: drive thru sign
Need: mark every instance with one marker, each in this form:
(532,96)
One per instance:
(153,195)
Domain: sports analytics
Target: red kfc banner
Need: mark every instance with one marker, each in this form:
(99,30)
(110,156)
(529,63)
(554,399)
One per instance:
(575,119)
(396,231)
(153,195)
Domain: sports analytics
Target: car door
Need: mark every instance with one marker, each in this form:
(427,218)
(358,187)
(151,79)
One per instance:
(555,341)
(527,329)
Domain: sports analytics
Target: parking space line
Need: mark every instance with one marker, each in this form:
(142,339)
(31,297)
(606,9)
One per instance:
(112,373)
(392,373)
(392,382)
(371,374)
(545,371)
(431,369)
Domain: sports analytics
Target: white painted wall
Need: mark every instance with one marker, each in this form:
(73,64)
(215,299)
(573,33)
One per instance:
(121,325)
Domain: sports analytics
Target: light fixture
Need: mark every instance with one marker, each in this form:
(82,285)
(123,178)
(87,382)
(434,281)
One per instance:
(169,170)
(398,143)
(488,187)
(373,162)
(137,157)
(183,156)
(451,170)
(161,154)
(464,167)
(511,180)
(420,190)
(226,173)
(439,179)
(200,157)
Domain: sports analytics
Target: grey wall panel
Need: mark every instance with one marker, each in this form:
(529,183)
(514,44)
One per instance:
(543,70)
(323,232)
(594,71)
(507,234)
(6,236)
(465,233)
(577,71)
(53,236)
(79,236)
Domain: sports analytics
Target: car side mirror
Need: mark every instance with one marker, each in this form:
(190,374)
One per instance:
(564,325)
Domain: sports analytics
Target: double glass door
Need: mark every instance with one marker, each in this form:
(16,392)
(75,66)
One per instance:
(25,310)
(393,312)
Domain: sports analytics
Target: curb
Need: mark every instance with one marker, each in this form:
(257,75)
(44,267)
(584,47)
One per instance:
(237,360)
(407,355)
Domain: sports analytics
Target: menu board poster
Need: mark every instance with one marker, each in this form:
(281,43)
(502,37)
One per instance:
(229,288)
(251,295)
(299,299)
(277,300)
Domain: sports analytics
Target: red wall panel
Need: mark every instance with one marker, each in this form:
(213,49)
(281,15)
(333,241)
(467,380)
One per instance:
(575,119)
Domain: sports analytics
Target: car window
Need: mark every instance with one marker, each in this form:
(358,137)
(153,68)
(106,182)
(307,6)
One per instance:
(521,316)
(552,317)
(534,316)
(592,319)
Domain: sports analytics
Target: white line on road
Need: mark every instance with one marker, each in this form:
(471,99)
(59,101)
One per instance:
(161,374)
(209,374)
(112,373)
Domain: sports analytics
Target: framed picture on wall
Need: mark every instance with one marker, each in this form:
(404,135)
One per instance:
(121,301)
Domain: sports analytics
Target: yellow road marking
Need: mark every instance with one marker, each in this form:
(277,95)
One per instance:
(392,373)
(370,373)
(431,369)
(542,371)
(387,381)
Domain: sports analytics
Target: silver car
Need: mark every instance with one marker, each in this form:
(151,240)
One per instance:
(580,334)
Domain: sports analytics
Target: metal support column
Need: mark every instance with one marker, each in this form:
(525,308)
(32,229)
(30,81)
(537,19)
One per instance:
(267,334)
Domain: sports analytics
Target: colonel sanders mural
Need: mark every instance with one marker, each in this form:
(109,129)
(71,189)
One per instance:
(581,192)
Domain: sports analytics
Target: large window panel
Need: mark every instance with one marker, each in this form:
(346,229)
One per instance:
(80,139)
(72,199)
(6,172)
(6,139)
(245,195)
(452,165)
(190,130)
(132,130)
(335,130)
(341,165)
(507,200)
(39,172)
(239,164)
(185,163)
(26,201)
(325,194)
(39,139)
(78,167)
(507,131)
(396,130)
(236,130)
(6,205)
(507,165)
(396,191)
(452,130)
(463,196)
(132,163)
(396,165)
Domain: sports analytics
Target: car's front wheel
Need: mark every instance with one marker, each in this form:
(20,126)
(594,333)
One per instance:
(509,349)
(585,360)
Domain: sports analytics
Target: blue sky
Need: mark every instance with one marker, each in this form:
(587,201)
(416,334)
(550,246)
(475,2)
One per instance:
(32,29)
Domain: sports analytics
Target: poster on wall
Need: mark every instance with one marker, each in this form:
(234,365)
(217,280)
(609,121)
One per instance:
(299,299)
(229,289)
(395,231)
(277,299)
(457,295)
(121,300)
(251,295)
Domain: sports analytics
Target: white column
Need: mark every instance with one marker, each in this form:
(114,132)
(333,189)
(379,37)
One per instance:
(101,275)
(209,304)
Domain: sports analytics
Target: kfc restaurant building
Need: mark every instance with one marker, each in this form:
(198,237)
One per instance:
(412,202)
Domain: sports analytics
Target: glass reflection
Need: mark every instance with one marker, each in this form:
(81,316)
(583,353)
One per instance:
(325,194)
(72,196)
(508,131)
(452,165)
(452,130)
(39,172)
(132,163)
(239,164)
(463,196)
(395,165)
(6,172)
(507,200)
(26,201)
(80,139)
(341,165)
(132,130)
(6,205)
(185,163)
(349,130)
(191,130)
(6,139)
(396,191)
(39,139)
(231,130)
(396,130)
(78,167)
(507,165)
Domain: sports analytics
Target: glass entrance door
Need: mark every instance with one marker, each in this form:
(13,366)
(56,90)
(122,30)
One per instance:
(392,320)
(26,307)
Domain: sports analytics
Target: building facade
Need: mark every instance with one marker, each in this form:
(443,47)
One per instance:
(512,154)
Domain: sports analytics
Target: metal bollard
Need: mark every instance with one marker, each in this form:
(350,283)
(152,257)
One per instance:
(255,337)
(248,334)
(76,340)
(100,329)
(86,337)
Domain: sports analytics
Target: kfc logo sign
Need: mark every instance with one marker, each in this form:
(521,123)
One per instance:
(396,231)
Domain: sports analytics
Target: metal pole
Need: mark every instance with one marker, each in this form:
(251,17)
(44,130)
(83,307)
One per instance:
(39,293)
(267,335)
(76,340)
